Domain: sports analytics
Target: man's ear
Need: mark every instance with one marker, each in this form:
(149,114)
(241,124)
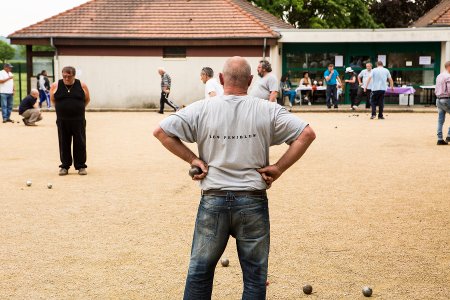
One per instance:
(221,78)
(250,80)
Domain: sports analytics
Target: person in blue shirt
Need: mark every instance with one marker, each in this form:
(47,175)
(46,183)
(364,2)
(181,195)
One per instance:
(332,79)
(379,78)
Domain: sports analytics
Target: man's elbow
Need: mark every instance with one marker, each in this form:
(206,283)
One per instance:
(159,133)
(309,134)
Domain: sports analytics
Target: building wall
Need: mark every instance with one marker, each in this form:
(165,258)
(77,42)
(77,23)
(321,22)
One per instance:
(133,81)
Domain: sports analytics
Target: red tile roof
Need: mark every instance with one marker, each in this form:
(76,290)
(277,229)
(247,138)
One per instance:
(437,16)
(158,19)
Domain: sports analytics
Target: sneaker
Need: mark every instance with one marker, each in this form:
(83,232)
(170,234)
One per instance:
(10,121)
(329,107)
(442,142)
(63,172)
(82,171)
(447,139)
(353,108)
(372,117)
(381,118)
(309,103)
(160,112)
(335,106)
(4,121)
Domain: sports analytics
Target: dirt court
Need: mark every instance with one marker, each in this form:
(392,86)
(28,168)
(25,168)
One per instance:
(369,204)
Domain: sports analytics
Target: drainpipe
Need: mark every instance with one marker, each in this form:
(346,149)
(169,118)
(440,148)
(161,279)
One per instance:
(264,48)
(56,62)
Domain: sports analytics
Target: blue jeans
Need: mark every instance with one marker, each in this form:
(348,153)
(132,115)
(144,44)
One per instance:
(377,98)
(44,97)
(246,218)
(291,95)
(332,95)
(7,105)
(443,106)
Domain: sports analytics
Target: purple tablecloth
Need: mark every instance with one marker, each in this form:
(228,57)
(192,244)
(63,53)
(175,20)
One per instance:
(400,90)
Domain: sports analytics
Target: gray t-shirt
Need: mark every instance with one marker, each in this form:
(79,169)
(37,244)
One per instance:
(263,86)
(234,134)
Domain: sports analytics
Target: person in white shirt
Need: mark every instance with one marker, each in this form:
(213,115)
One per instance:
(212,87)
(363,77)
(6,92)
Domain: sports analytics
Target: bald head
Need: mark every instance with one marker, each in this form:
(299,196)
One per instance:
(34,93)
(236,73)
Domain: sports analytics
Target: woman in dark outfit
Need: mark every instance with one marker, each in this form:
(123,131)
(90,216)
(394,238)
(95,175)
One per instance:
(70,97)
(352,85)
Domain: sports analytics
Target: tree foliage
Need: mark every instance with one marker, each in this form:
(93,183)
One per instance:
(347,13)
(6,52)
(321,13)
(400,13)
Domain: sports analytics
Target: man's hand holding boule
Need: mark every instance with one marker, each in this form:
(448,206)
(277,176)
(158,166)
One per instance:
(196,162)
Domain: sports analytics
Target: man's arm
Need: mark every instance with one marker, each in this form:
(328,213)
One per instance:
(5,80)
(293,154)
(53,89)
(359,79)
(87,96)
(174,145)
(36,104)
(367,83)
(273,96)
(327,78)
(391,83)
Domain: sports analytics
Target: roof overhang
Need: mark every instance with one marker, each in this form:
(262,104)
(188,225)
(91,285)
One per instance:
(102,41)
(427,34)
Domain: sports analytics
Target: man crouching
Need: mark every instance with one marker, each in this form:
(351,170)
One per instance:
(29,109)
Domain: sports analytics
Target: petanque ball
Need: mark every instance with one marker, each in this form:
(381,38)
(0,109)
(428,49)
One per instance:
(224,262)
(195,171)
(367,291)
(28,182)
(307,289)
(49,185)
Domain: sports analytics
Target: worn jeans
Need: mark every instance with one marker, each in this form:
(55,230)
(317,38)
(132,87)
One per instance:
(377,98)
(443,106)
(332,95)
(246,218)
(7,105)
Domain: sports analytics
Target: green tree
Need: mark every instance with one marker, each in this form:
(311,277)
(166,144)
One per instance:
(321,13)
(400,13)
(6,52)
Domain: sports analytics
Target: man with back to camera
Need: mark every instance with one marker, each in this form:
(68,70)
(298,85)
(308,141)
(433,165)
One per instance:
(70,97)
(442,93)
(332,79)
(233,136)
(212,87)
(267,85)
(7,92)
(380,76)
(29,109)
